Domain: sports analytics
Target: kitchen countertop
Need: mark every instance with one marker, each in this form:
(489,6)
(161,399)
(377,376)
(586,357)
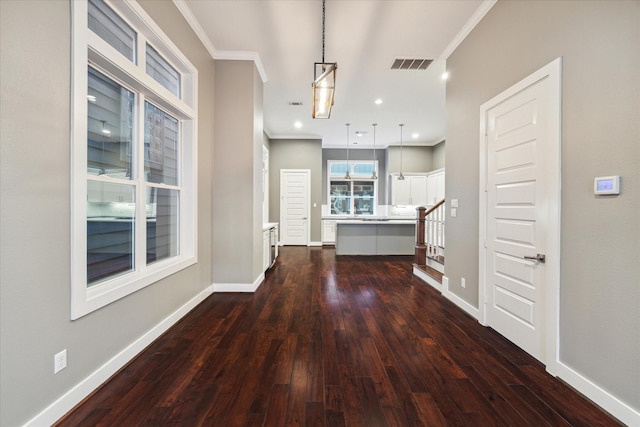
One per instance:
(368,218)
(377,221)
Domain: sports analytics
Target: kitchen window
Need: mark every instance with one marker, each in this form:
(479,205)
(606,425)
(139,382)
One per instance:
(133,154)
(356,196)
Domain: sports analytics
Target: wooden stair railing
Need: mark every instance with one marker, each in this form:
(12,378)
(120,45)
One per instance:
(425,248)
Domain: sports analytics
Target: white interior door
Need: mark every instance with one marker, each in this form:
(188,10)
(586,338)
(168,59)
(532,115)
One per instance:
(294,207)
(522,199)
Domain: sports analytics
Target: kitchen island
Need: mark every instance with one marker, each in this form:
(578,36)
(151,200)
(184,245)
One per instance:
(375,237)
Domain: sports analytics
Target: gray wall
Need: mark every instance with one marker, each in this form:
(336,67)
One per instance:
(237,179)
(296,154)
(414,159)
(600,266)
(438,155)
(35,209)
(360,154)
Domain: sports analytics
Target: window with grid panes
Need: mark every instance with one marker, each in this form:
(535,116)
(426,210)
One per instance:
(355,196)
(133,157)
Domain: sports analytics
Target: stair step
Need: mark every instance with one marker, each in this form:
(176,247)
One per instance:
(431,272)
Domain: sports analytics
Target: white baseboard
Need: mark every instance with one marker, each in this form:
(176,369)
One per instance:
(315,243)
(75,395)
(427,279)
(238,287)
(471,310)
(597,394)
(443,288)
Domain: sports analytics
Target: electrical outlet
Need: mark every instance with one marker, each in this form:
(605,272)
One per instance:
(463,283)
(60,361)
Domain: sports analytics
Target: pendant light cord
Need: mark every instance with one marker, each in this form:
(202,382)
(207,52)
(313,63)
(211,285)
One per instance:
(401,175)
(323,12)
(347,175)
(374,143)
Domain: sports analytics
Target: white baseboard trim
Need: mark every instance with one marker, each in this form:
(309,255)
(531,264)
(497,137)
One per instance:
(75,395)
(597,394)
(315,243)
(471,310)
(427,279)
(238,287)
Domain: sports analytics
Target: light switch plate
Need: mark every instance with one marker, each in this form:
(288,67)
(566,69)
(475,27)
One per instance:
(454,203)
(454,212)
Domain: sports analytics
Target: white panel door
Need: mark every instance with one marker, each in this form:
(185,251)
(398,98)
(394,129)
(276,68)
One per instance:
(522,153)
(294,207)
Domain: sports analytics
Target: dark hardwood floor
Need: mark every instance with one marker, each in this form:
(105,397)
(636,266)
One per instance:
(334,341)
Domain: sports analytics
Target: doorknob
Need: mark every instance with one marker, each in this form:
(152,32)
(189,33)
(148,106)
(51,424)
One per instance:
(538,258)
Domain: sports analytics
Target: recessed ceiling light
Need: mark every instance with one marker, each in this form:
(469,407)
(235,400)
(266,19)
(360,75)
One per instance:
(378,101)
(298,124)
(415,135)
(445,75)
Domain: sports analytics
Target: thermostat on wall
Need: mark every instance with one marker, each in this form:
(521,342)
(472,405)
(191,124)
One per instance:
(604,185)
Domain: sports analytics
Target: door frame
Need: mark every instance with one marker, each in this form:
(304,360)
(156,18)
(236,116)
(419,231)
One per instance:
(308,173)
(551,307)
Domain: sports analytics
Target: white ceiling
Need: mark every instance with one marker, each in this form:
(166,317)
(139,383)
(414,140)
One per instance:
(363,37)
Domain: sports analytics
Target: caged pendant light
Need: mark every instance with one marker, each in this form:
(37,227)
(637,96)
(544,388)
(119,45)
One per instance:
(374,175)
(401,176)
(347,176)
(324,82)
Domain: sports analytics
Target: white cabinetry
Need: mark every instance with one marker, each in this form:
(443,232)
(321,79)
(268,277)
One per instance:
(412,190)
(418,189)
(269,244)
(435,187)
(266,249)
(328,231)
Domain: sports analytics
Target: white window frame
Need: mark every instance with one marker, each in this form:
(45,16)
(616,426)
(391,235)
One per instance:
(88,49)
(354,177)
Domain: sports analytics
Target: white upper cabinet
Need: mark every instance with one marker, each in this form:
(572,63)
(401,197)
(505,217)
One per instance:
(424,189)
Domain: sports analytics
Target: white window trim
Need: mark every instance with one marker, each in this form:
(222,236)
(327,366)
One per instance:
(90,49)
(354,177)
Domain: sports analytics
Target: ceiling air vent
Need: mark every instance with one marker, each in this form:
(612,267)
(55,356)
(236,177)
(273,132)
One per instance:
(411,64)
(295,103)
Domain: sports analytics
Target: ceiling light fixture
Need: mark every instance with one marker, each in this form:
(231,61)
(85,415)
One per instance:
(374,175)
(378,101)
(324,82)
(298,124)
(347,176)
(401,177)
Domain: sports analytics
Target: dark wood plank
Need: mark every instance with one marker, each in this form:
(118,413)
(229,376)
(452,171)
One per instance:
(333,341)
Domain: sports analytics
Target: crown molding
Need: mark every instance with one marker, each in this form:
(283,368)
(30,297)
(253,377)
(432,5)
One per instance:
(470,25)
(208,44)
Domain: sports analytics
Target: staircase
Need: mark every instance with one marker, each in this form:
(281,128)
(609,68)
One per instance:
(429,251)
